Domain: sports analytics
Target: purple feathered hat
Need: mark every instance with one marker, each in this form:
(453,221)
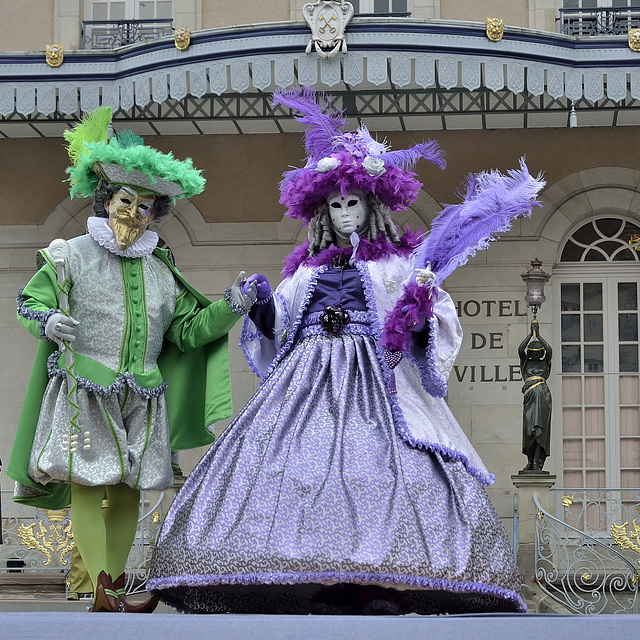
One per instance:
(346,160)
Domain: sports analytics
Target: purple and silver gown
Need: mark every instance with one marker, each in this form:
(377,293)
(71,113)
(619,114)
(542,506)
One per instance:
(339,475)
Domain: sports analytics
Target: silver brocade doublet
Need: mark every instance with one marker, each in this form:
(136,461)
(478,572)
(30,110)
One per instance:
(120,301)
(123,306)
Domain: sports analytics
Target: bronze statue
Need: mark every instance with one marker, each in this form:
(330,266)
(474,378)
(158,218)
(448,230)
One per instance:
(535,364)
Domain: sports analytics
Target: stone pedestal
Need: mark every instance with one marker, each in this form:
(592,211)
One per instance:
(527,485)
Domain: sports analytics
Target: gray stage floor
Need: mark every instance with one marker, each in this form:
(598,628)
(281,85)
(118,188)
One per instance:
(75,625)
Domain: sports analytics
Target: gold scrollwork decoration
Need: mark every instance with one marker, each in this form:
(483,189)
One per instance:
(495,29)
(567,501)
(182,38)
(55,55)
(625,538)
(634,39)
(586,576)
(155,517)
(540,514)
(56,538)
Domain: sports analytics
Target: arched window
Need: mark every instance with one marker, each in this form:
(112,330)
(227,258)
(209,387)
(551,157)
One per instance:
(597,397)
(603,240)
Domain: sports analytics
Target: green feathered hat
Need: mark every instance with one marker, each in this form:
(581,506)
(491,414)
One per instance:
(124,159)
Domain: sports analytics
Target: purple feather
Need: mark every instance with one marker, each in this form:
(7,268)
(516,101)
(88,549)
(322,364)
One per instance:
(407,158)
(324,123)
(491,202)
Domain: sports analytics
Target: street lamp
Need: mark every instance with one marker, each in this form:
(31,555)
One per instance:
(535,365)
(535,279)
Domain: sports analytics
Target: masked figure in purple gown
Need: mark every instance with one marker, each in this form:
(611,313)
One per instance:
(345,485)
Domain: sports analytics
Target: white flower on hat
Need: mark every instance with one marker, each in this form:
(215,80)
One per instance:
(374,166)
(326,164)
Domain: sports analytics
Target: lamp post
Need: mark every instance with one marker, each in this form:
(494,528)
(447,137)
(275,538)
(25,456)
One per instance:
(535,279)
(535,366)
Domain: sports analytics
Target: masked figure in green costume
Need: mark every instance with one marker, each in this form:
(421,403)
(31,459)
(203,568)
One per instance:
(133,362)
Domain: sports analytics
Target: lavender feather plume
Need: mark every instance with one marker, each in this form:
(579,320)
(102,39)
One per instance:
(324,123)
(407,158)
(492,201)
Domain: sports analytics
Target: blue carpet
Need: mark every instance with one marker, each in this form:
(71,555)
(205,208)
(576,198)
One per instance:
(89,626)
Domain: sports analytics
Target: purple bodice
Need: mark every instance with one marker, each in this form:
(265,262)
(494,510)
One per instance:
(335,288)
(338,287)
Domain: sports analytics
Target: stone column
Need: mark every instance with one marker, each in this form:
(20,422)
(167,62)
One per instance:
(527,485)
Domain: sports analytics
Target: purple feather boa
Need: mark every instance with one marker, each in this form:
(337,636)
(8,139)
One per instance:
(417,304)
(367,250)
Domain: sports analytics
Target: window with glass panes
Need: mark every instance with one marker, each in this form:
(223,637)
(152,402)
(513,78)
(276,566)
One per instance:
(595,4)
(381,6)
(597,296)
(128,9)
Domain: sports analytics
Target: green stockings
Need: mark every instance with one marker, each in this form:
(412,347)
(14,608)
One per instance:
(104,538)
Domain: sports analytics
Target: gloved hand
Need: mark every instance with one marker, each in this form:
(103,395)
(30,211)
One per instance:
(60,328)
(259,284)
(238,301)
(413,320)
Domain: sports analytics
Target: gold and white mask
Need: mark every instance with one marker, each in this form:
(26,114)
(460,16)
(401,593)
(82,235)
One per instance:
(130,213)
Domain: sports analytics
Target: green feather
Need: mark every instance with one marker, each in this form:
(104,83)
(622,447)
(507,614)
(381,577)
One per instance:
(92,128)
(127,139)
(88,146)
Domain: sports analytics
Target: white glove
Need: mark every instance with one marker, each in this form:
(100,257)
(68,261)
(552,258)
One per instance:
(239,302)
(60,328)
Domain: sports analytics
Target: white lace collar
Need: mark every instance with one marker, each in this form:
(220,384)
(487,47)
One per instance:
(100,231)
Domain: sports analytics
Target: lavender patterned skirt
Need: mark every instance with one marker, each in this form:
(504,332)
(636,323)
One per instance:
(310,499)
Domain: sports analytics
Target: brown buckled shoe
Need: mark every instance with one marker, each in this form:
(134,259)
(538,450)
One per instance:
(105,598)
(131,606)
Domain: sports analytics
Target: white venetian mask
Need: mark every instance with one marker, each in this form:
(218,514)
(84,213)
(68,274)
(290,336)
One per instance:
(348,213)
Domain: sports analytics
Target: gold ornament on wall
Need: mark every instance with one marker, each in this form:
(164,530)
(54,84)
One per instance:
(625,538)
(52,536)
(55,55)
(495,29)
(183,38)
(634,39)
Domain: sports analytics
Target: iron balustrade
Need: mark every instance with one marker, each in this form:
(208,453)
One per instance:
(40,541)
(600,21)
(109,34)
(578,562)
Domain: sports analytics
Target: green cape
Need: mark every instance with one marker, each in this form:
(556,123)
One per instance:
(198,394)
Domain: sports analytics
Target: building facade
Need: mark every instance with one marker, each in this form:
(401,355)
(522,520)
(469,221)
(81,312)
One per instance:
(561,86)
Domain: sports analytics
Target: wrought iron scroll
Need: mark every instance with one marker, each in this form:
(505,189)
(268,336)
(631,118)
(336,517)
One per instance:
(584,573)
(40,541)
(600,21)
(99,34)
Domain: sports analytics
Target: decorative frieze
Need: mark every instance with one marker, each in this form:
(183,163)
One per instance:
(407,56)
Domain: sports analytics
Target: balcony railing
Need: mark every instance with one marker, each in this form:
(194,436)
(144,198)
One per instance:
(100,34)
(602,21)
